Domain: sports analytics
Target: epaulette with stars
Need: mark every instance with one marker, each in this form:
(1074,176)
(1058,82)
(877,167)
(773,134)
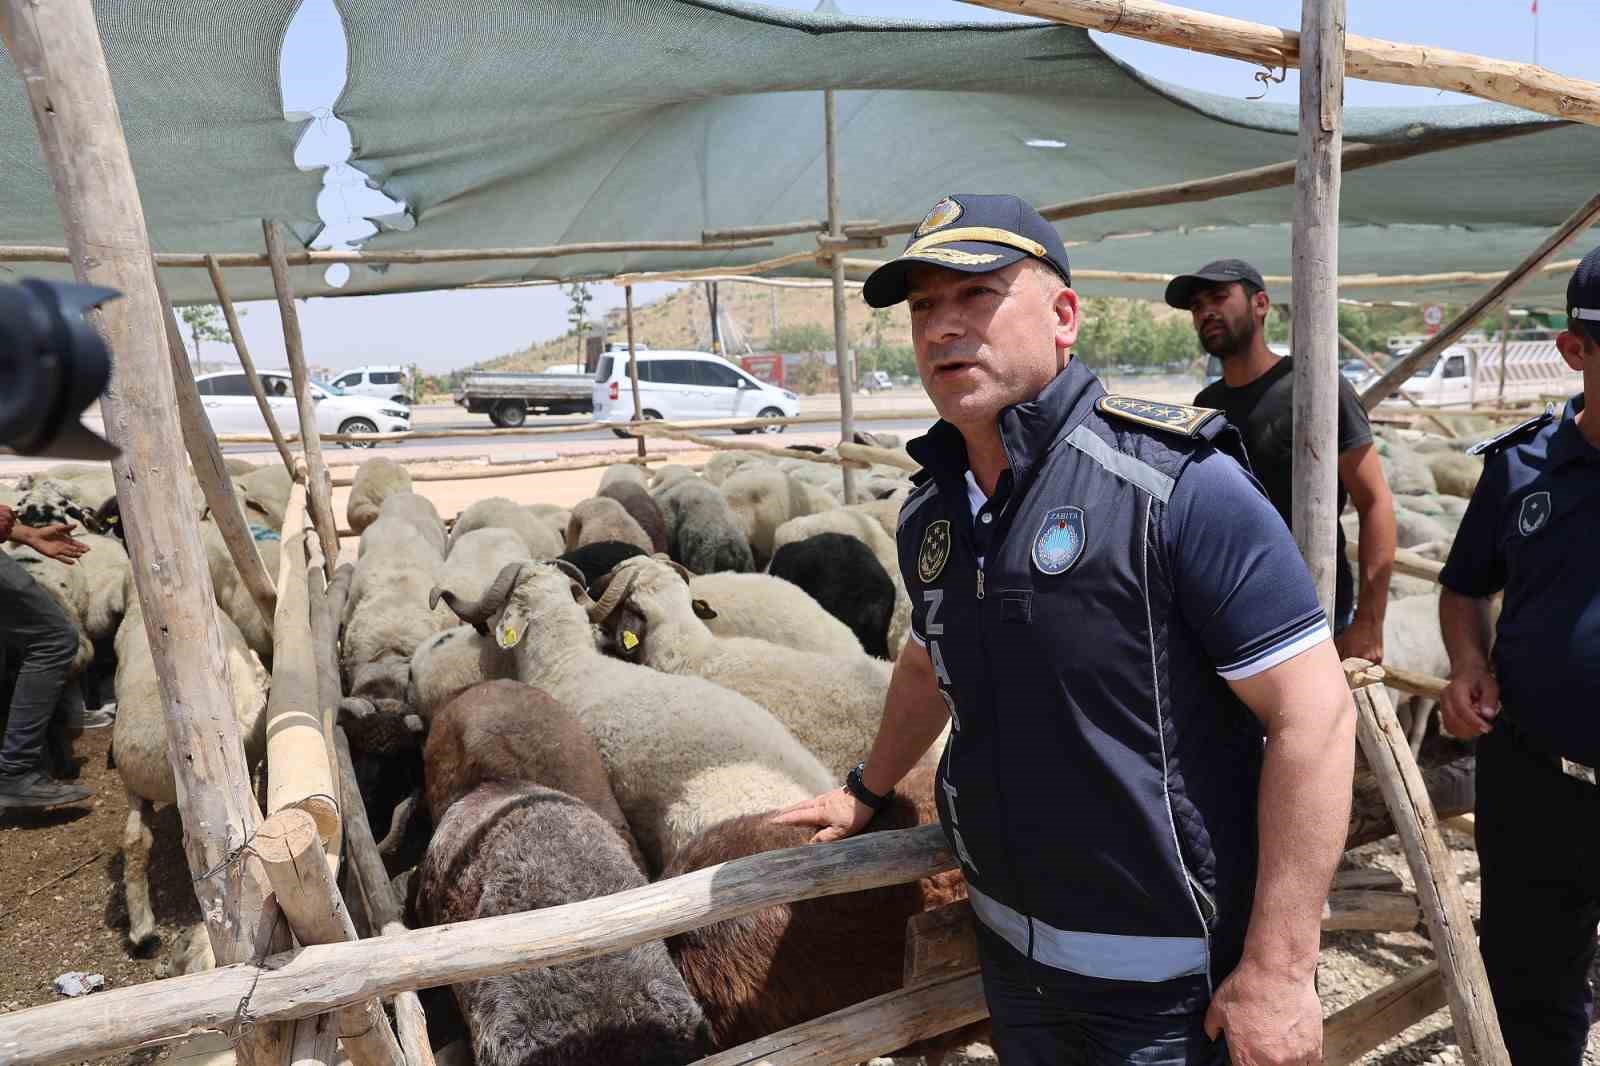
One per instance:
(1178,418)
(1514,435)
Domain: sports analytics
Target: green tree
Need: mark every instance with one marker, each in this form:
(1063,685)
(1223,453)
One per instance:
(204,322)
(879,321)
(800,338)
(578,300)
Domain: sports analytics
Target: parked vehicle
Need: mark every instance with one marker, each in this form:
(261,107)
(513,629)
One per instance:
(685,385)
(232,407)
(507,398)
(1470,373)
(385,382)
(874,380)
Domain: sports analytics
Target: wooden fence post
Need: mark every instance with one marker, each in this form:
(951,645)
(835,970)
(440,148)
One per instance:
(841,318)
(1315,511)
(633,362)
(57,51)
(320,494)
(226,303)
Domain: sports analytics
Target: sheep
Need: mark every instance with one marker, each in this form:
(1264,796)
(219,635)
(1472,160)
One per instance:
(885,511)
(48,501)
(831,703)
(624,473)
(764,498)
(1412,641)
(553,515)
(139,743)
(770,608)
(782,965)
(666,476)
(842,575)
(475,558)
(598,559)
(682,753)
(602,518)
(265,495)
(503,849)
(505,732)
(865,528)
(418,512)
(450,662)
(230,591)
(703,533)
(724,464)
(375,480)
(387,613)
(542,540)
(638,502)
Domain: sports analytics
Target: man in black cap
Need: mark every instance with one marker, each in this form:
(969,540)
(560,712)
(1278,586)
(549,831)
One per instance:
(1229,303)
(1111,618)
(1534,703)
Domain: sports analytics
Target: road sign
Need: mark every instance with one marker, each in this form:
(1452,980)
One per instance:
(1432,315)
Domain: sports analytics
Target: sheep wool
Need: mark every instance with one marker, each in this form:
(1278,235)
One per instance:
(543,541)
(375,480)
(770,608)
(602,518)
(450,662)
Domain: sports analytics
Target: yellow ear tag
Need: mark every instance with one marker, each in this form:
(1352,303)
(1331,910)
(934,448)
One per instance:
(508,636)
(630,640)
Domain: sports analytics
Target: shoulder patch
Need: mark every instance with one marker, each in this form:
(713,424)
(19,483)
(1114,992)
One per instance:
(1179,418)
(1514,435)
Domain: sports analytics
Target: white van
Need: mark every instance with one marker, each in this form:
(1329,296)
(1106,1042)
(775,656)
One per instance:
(680,386)
(1470,373)
(384,382)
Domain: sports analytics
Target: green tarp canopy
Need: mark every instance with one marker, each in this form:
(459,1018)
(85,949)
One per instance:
(531,122)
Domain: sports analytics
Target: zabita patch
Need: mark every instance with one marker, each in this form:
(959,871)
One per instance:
(1059,542)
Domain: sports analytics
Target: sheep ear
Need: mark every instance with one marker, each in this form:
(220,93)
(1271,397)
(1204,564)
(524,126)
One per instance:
(507,634)
(702,610)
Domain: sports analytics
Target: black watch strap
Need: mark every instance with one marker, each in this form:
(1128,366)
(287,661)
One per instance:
(854,785)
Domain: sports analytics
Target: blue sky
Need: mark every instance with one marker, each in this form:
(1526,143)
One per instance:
(426,327)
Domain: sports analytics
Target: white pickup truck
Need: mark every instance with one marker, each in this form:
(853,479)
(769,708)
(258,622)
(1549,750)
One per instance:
(1470,373)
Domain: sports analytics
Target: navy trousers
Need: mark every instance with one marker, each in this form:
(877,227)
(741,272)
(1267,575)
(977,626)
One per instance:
(1539,860)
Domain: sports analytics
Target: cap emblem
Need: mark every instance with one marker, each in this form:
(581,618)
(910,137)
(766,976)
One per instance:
(954,255)
(940,214)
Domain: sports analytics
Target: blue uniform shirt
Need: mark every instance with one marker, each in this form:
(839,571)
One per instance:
(1530,530)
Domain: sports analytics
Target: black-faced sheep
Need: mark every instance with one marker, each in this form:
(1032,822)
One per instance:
(505,732)
(601,518)
(703,532)
(596,560)
(542,540)
(831,703)
(764,498)
(681,752)
(638,502)
(865,528)
(842,575)
(784,965)
(770,608)
(503,849)
(375,480)
(449,663)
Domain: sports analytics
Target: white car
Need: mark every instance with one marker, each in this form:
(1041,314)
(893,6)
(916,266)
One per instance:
(384,382)
(684,386)
(232,407)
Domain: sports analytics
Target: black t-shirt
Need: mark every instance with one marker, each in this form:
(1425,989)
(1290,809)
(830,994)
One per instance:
(1263,411)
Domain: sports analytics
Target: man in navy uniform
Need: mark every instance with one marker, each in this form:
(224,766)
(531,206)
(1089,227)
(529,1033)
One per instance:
(1534,702)
(1111,617)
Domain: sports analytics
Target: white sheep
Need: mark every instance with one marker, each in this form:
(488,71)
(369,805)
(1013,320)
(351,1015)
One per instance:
(553,515)
(543,542)
(387,614)
(666,476)
(231,593)
(723,465)
(375,480)
(885,511)
(602,518)
(450,662)
(831,703)
(682,753)
(630,472)
(770,608)
(764,498)
(418,512)
(139,745)
(476,559)
(264,495)
(865,527)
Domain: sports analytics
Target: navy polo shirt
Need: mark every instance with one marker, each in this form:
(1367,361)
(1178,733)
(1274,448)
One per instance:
(1530,530)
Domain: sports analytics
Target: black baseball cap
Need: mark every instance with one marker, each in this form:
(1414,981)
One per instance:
(974,234)
(1583,297)
(1181,289)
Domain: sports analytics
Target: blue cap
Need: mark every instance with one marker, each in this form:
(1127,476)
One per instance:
(1583,297)
(974,234)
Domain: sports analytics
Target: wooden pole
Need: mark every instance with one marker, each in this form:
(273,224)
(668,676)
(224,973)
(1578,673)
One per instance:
(780,229)
(320,494)
(1350,346)
(383,908)
(1391,1010)
(1505,333)
(57,52)
(291,850)
(325,652)
(575,463)
(633,362)
(1576,223)
(1367,58)
(226,303)
(315,980)
(1466,984)
(841,320)
(1314,509)
(47,254)
(205,455)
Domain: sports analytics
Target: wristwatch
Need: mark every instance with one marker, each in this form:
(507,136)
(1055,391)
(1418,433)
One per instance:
(857,788)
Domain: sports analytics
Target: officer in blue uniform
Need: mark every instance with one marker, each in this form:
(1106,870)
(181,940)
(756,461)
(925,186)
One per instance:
(1534,701)
(1111,618)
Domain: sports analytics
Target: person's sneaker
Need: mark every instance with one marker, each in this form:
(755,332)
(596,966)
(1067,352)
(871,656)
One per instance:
(32,789)
(98,718)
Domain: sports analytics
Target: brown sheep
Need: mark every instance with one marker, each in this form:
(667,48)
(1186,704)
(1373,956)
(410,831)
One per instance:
(602,518)
(782,966)
(638,502)
(508,732)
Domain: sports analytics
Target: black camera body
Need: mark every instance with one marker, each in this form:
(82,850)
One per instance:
(53,364)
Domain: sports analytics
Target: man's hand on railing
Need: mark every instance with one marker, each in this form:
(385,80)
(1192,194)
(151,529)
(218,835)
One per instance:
(836,815)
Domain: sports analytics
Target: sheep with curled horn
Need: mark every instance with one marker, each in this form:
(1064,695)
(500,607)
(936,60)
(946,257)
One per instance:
(681,752)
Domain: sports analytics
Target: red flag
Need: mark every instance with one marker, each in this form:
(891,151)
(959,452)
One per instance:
(1535,7)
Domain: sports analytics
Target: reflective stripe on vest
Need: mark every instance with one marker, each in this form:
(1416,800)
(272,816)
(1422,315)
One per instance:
(1111,956)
